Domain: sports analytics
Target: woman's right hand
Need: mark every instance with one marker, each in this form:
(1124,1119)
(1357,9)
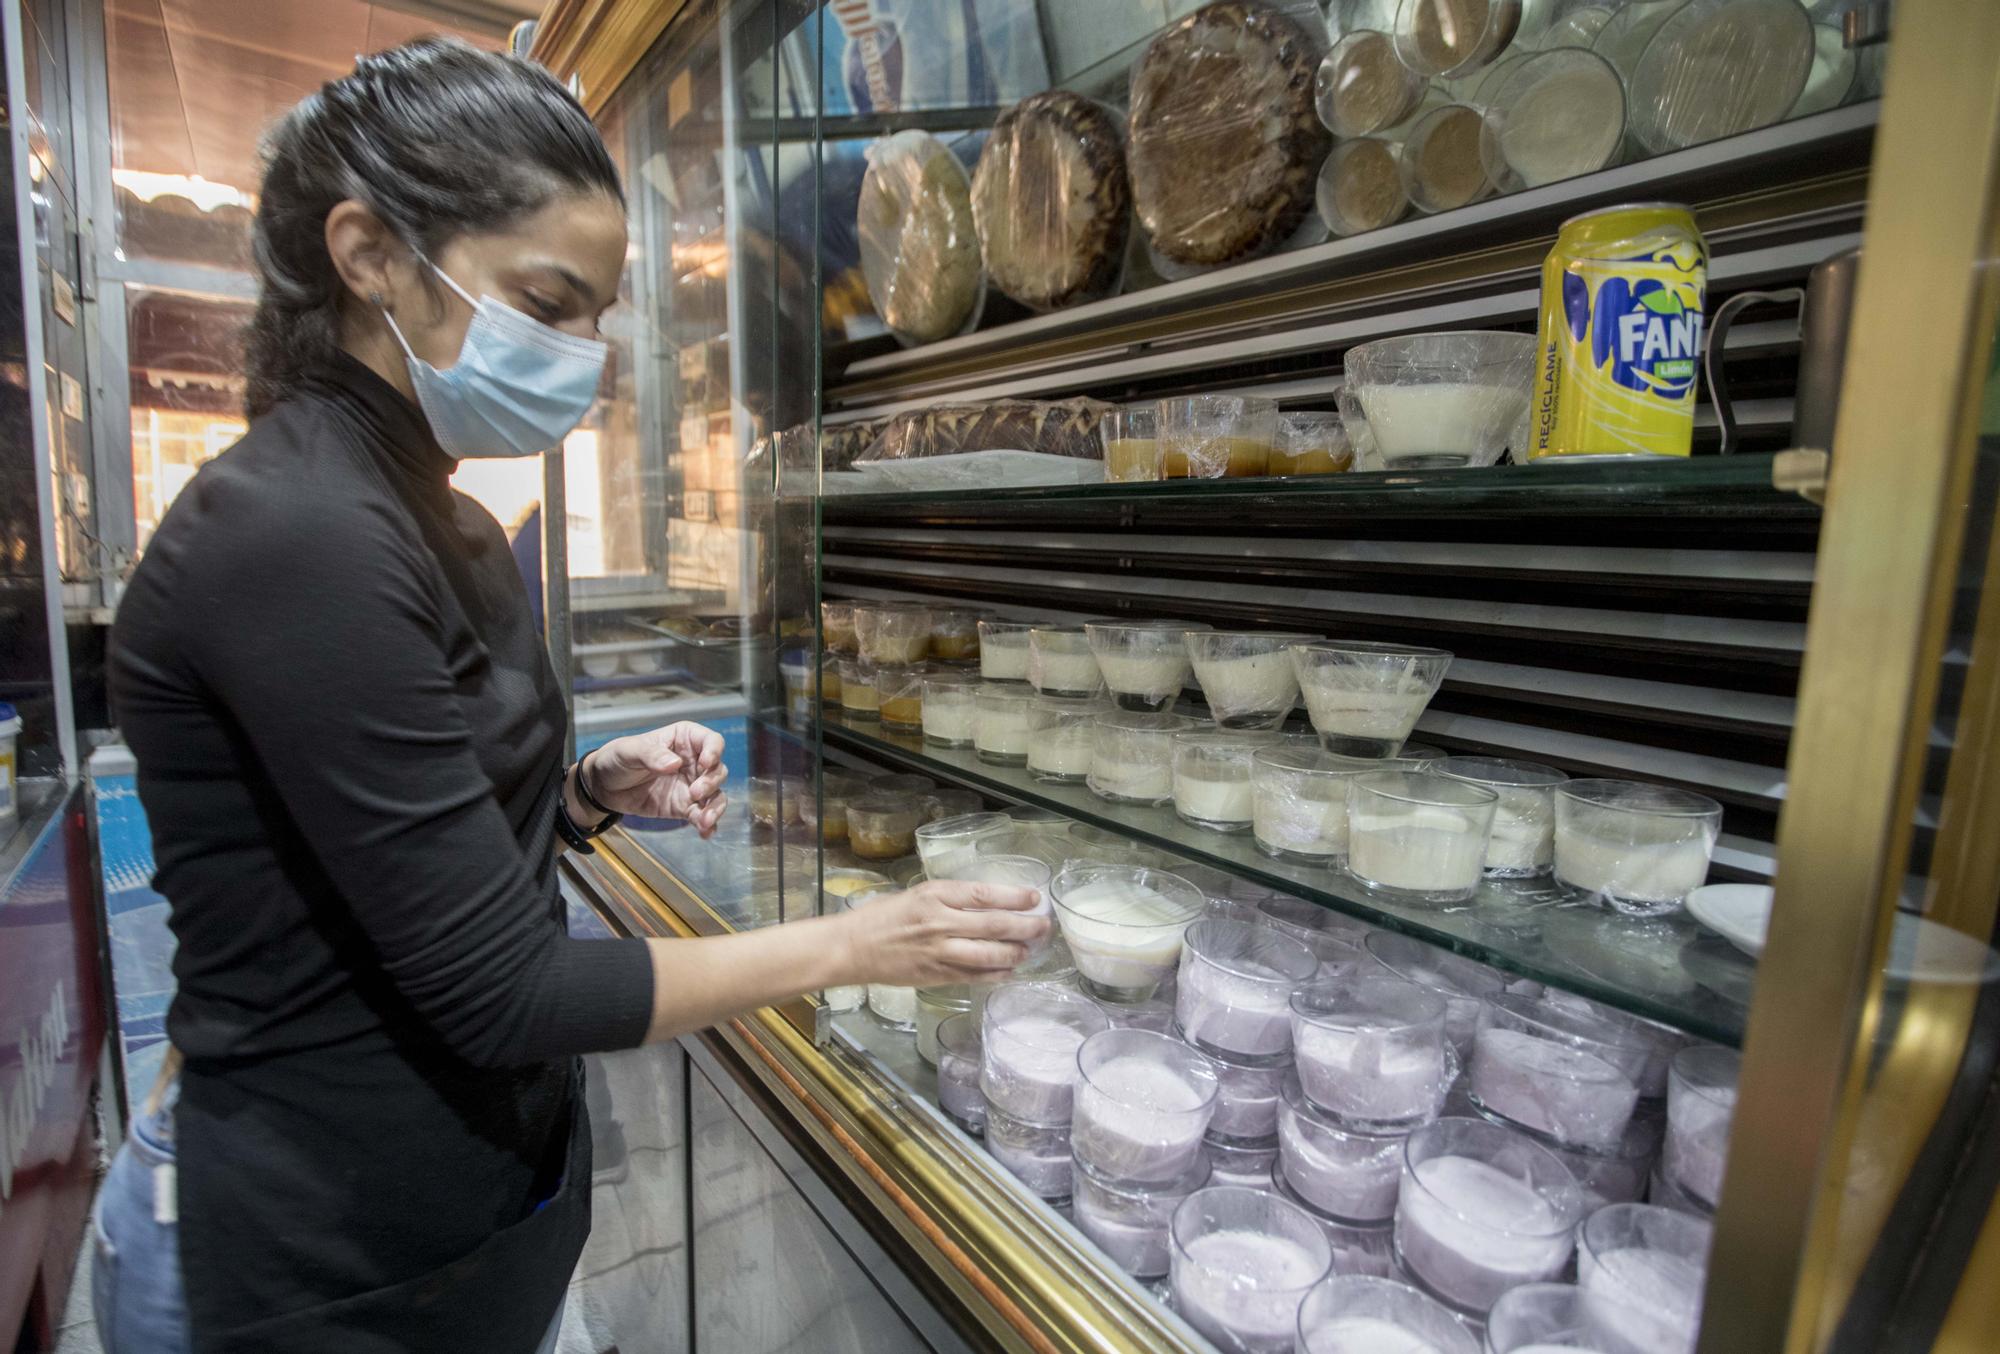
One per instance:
(944,931)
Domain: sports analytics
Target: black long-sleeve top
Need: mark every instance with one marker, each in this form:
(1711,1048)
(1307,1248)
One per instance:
(349,749)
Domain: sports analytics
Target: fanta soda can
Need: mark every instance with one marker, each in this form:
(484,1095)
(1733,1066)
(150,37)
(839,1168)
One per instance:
(1620,335)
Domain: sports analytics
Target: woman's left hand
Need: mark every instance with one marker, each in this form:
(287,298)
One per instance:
(675,772)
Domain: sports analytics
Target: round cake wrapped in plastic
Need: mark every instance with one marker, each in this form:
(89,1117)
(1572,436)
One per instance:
(1225,143)
(1051,201)
(919,251)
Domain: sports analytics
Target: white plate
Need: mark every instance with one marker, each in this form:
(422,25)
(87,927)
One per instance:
(1919,950)
(997,469)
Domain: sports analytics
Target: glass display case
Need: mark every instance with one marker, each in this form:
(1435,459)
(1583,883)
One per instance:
(995,425)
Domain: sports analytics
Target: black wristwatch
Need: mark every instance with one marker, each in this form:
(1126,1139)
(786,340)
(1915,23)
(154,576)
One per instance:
(579,838)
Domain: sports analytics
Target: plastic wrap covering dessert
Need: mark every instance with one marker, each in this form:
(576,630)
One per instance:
(919,251)
(1435,401)
(1453,37)
(1362,86)
(842,444)
(1052,428)
(1225,140)
(1715,68)
(1051,202)
(1554,115)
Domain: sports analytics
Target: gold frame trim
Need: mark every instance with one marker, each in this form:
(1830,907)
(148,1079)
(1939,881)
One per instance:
(1027,1282)
(599,42)
(1875,634)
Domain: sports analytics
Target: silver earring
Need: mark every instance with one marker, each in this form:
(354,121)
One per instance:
(375,299)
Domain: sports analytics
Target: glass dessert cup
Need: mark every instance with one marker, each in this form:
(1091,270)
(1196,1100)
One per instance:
(1311,442)
(1246,676)
(1440,401)
(1339,1172)
(1234,996)
(1143,1102)
(1132,757)
(1003,649)
(1143,663)
(1536,1318)
(883,826)
(1640,1270)
(1636,848)
(950,710)
(1000,723)
(1482,1209)
(899,696)
(959,1056)
(1031,1032)
(1534,1068)
(1364,698)
(1522,844)
(1243,1261)
(1243,1164)
(1060,662)
(1130,439)
(857,689)
(935,1005)
(1371,1051)
(1701,1102)
(1130,1222)
(949,846)
(1418,837)
(836,621)
(1123,925)
(893,633)
(775,800)
(1299,803)
(1037,1155)
(1346,1313)
(954,634)
(1463,984)
(1062,737)
(1207,437)
(1212,778)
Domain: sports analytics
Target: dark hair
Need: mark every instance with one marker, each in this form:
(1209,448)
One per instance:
(438,139)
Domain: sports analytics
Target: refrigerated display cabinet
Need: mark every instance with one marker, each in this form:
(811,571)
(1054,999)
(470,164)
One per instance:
(1807,639)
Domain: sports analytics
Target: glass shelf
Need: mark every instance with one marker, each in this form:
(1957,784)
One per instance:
(1704,488)
(1693,981)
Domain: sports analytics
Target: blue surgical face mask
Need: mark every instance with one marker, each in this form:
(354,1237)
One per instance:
(517,389)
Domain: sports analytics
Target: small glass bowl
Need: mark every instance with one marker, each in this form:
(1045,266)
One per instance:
(1639,849)
(1243,1261)
(1361,189)
(1212,778)
(951,713)
(1641,1270)
(1363,86)
(1031,1033)
(1208,437)
(1038,1155)
(1143,1102)
(1299,803)
(896,633)
(1532,1066)
(950,845)
(775,800)
(1246,676)
(1701,1102)
(1062,737)
(1482,1209)
(836,622)
(954,634)
(1443,164)
(1346,1310)
(958,1059)
(1000,728)
(1522,843)
(1341,1172)
(1370,1051)
(1535,1318)
(1133,758)
(1003,649)
(1243,1163)
(1060,662)
(899,696)
(1418,837)
(950,802)
(935,1005)
(1444,400)
(883,826)
(1130,438)
(1144,663)
(1130,1222)
(1124,924)
(857,689)
(1246,1109)
(1433,42)
(1363,698)
(1235,991)
(1464,984)
(1311,442)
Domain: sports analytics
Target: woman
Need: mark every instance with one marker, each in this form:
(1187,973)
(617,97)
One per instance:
(347,734)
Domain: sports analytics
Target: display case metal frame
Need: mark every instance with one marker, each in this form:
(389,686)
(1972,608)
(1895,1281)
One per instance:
(1790,1241)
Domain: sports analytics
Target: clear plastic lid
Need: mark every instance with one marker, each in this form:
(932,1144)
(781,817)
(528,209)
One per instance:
(1557,114)
(1719,67)
(919,249)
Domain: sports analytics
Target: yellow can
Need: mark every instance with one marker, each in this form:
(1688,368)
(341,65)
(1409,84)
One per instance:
(1620,335)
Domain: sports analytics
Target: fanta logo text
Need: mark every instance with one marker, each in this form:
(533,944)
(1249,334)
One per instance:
(1645,337)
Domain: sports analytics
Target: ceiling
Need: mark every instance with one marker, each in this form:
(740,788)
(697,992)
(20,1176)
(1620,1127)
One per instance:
(195,82)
